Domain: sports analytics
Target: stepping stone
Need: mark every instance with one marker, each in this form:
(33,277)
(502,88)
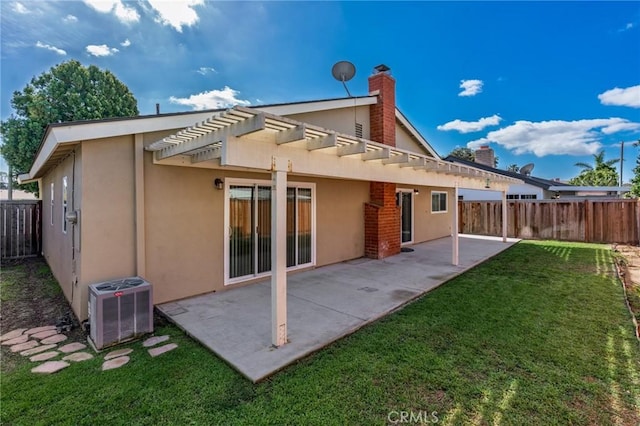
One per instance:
(54,339)
(77,357)
(39,329)
(72,347)
(50,367)
(12,334)
(44,356)
(24,346)
(37,350)
(152,341)
(44,334)
(115,363)
(119,352)
(16,340)
(162,349)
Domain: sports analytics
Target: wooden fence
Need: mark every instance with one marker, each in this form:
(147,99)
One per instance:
(20,228)
(601,221)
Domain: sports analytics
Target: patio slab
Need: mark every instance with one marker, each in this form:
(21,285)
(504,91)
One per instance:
(324,304)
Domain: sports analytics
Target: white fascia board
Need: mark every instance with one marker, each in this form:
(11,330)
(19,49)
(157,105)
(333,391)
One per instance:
(303,107)
(77,132)
(561,188)
(402,119)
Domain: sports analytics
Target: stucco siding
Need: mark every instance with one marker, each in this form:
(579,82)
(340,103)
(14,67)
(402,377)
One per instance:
(341,120)
(427,224)
(404,140)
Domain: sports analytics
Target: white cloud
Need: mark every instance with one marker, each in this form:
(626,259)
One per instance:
(176,13)
(101,50)
(205,70)
(627,27)
(126,15)
(51,48)
(213,99)
(20,8)
(126,43)
(471,126)
(470,87)
(70,19)
(555,137)
(629,96)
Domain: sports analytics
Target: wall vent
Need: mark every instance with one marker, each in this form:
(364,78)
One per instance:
(358,130)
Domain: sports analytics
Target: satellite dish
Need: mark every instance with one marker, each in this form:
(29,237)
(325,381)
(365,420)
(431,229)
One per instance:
(343,71)
(526,169)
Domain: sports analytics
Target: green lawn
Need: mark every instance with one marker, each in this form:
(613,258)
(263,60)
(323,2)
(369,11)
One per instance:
(538,335)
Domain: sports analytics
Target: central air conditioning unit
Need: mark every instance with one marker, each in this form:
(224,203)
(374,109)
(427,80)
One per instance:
(119,310)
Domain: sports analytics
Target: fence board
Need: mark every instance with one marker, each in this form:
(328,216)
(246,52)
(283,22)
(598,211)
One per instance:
(20,228)
(601,221)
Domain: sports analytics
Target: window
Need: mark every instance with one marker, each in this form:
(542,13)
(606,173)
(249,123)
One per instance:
(248,224)
(51,213)
(512,196)
(528,197)
(64,204)
(438,202)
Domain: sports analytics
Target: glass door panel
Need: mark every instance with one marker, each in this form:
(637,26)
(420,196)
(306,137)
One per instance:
(291,227)
(241,225)
(304,225)
(406,225)
(264,229)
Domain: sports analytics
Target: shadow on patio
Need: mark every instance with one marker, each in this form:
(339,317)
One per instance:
(324,304)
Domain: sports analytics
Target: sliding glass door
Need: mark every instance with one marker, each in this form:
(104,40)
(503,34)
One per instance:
(249,227)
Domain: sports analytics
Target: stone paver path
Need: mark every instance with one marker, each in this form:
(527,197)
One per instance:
(50,367)
(115,363)
(54,339)
(119,352)
(24,346)
(72,347)
(37,350)
(154,352)
(152,341)
(78,356)
(16,340)
(12,334)
(44,356)
(44,334)
(39,329)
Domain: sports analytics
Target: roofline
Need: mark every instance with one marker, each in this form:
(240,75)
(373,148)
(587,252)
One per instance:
(561,188)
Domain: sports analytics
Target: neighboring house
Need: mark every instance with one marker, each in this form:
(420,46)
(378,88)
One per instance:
(534,188)
(209,200)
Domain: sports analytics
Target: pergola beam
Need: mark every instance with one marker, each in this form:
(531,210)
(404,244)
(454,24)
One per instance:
(380,154)
(210,154)
(352,149)
(294,134)
(397,159)
(329,141)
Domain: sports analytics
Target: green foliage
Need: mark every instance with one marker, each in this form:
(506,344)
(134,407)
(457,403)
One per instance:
(463,153)
(67,92)
(513,168)
(635,180)
(601,173)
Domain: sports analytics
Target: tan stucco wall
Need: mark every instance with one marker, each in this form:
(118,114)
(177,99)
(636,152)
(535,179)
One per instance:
(404,140)
(340,120)
(57,246)
(428,225)
(108,213)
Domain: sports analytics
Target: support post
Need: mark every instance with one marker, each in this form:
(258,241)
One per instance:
(455,252)
(505,212)
(279,168)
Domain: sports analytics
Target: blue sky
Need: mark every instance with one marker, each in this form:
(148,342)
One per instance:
(547,82)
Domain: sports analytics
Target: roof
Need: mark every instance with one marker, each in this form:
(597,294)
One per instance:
(531,180)
(60,138)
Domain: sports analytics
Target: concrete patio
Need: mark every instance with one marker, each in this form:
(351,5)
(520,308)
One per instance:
(324,304)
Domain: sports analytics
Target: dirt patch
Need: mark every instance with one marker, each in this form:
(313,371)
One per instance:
(31,297)
(628,264)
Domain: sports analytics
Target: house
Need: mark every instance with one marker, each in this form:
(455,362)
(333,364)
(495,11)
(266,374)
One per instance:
(207,201)
(531,187)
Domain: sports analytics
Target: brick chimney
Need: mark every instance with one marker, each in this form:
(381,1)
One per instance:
(486,156)
(381,214)
(382,115)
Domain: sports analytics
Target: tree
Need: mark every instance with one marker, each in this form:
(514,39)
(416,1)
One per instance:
(463,153)
(513,168)
(635,180)
(602,173)
(67,92)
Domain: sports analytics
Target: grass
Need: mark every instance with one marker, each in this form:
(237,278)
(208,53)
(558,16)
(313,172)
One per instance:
(538,335)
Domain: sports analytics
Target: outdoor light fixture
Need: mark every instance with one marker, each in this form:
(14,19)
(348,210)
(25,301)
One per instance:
(487,182)
(416,191)
(218,183)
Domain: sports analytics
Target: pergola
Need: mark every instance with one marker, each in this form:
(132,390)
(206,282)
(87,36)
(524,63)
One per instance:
(249,139)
